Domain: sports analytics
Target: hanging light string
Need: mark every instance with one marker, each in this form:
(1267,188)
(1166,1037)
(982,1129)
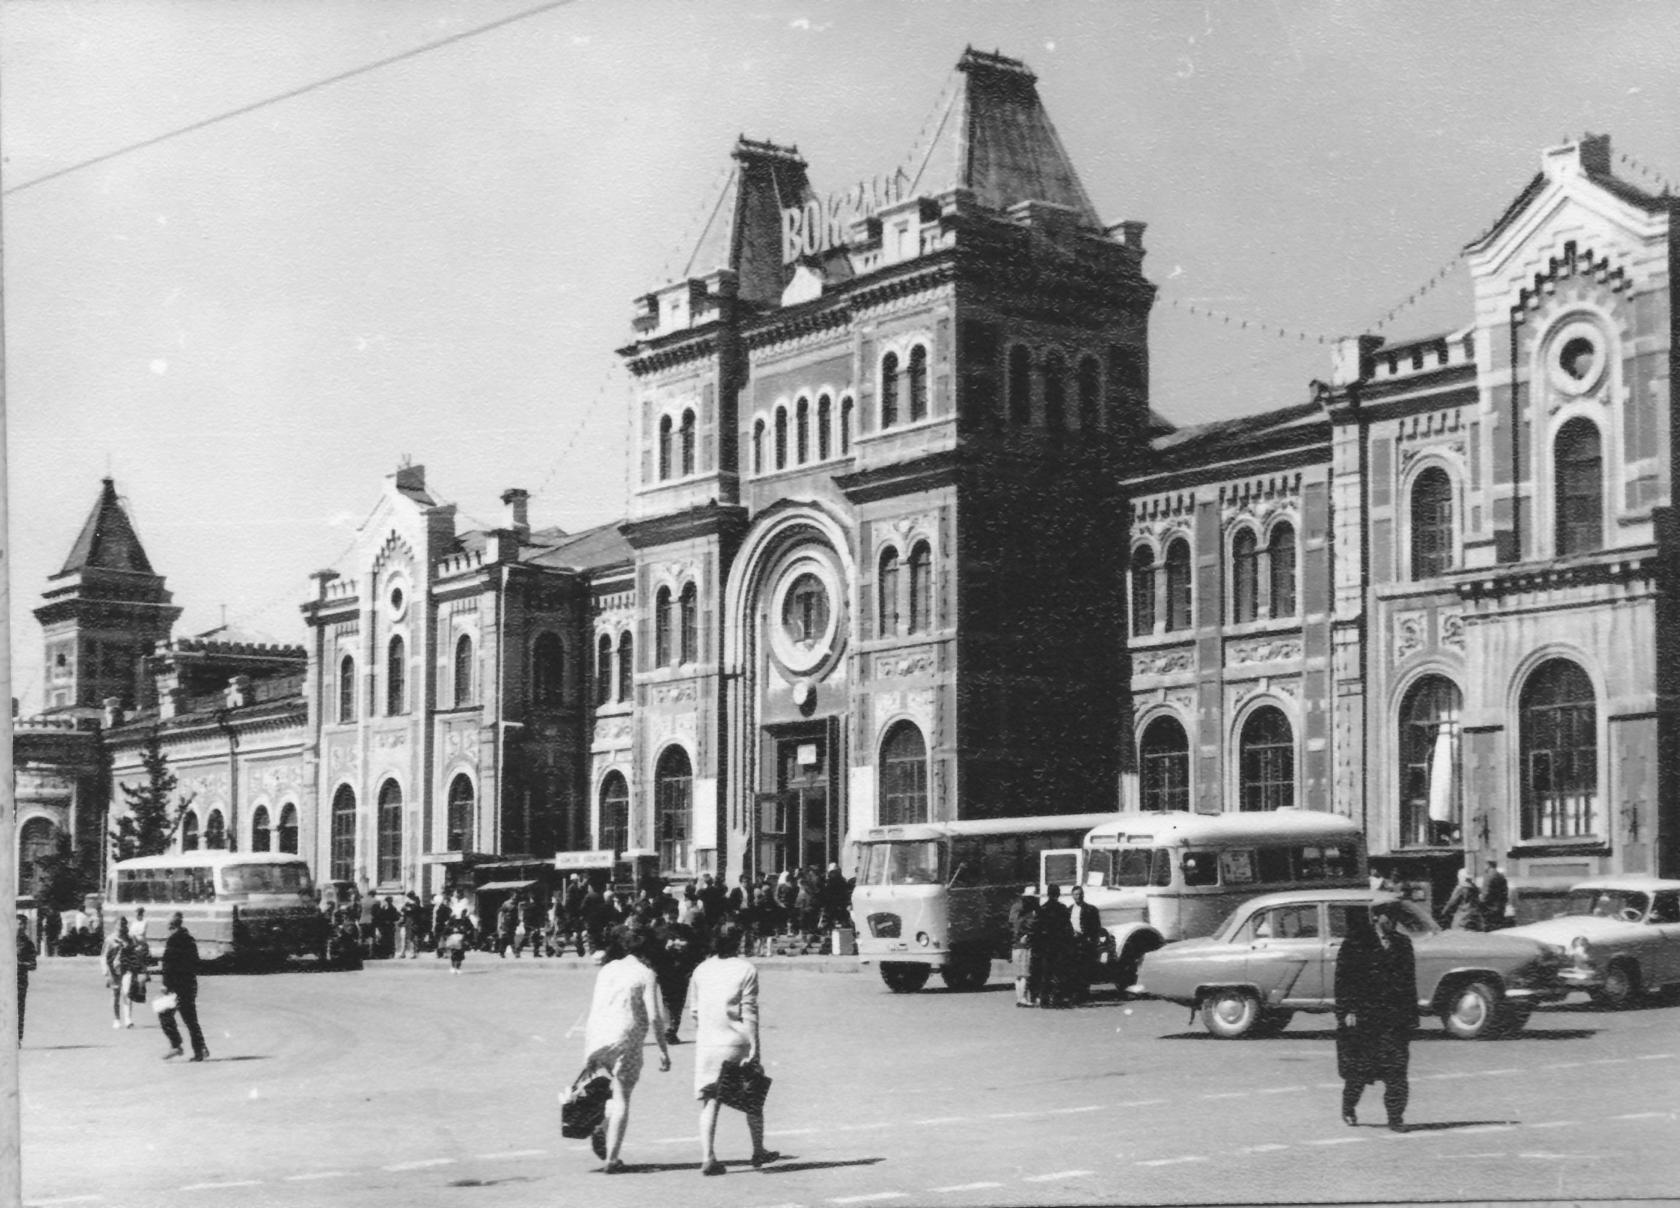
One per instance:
(1418,294)
(577,430)
(1258,326)
(1647,171)
(693,228)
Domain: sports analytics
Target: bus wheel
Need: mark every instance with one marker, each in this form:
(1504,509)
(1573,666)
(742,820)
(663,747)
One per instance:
(904,978)
(968,974)
(1229,1013)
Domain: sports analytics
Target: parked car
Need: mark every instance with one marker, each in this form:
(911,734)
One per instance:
(1276,955)
(1623,934)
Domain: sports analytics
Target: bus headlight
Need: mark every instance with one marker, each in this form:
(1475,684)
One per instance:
(923,939)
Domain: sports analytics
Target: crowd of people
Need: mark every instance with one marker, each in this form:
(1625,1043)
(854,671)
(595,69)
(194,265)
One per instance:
(1054,947)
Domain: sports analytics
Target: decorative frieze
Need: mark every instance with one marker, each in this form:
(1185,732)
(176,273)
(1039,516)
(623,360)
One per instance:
(1165,662)
(1262,650)
(673,694)
(1410,633)
(1452,630)
(904,666)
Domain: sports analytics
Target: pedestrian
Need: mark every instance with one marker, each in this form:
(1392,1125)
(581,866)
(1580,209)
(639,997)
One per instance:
(834,897)
(1376,985)
(411,923)
(787,894)
(52,926)
(1085,944)
(1022,911)
(125,961)
(180,978)
(1496,896)
(530,924)
(25,966)
(1463,911)
(441,914)
(386,916)
(457,939)
(507,924)
(676,949)
(598,918)
(1051,937)
(726,1041)
(625,1005)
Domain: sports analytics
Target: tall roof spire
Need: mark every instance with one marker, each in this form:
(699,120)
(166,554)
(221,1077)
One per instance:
(108,540)
(743,228)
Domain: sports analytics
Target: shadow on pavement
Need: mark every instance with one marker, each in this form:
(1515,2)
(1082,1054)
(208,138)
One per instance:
(1425,1035)
(787,1167)
(513,1178)
(1441,1125)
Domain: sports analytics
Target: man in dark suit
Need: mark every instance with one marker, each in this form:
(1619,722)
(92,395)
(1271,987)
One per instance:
(1052,938)
(180,978)
(1376,983)
(25,965)
(1087,934)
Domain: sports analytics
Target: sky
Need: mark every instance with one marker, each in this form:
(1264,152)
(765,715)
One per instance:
(249,320)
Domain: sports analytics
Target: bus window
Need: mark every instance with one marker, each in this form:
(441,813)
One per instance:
(265,878)
(1236,867)
(1316,863)
(914,863)
(1273,865)
(1161,868)
(1131,868)
(1200,868)
(1099,867)
(1340,861)
(1061,868)
(968,858)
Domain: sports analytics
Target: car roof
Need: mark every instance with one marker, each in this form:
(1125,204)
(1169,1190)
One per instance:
(1289,896)
(1627,880)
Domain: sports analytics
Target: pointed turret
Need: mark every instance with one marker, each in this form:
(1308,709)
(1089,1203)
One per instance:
(107,541)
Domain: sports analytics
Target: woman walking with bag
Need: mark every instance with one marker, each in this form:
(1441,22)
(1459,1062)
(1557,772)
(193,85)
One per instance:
(125,969)
(726,1055)
(624,1007)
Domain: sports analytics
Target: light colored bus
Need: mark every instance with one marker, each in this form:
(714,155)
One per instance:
(1161,876)
(936,896)
(237,905)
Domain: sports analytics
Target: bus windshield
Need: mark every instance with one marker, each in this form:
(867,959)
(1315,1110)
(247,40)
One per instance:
(1130,867)
(908,862)
(265,878)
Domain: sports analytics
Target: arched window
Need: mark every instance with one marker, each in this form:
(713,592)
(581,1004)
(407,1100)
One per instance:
(689,603)
(1020,385)
(904,776)
(1090,401)
(664,447)
(1055,393)
(802,431)
(342,860)
(846,426)
(1280,556)
(1164,765)
(1579,464)
(463,670)
(613,833)
(781,438)
(889,390)
(346,689)
(917,375)
(687,443)
(823,417)
(674,790)
(626,666)
(921,588)
(887,589)
(1267,761)
(1432,524)
(1178,585)
(1143,591)
(758,446)
(1245,577)
(1431,788)
(390,832)
(37,841)
(548,669)
(663,620)
(459,820)
(1559,753)
(287,832)
(260,833)
(215,832)
(189,831)
(603,669)
(396,677)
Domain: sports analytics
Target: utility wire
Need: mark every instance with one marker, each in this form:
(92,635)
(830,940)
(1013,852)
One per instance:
(290,94)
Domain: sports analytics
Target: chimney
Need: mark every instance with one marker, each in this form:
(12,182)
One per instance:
(410,477)
(516,500)
(1589,153)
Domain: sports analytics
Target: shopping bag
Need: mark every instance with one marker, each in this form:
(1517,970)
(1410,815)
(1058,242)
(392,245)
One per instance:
(584,1106)
(743,1087)
(137,989)
(165,1002)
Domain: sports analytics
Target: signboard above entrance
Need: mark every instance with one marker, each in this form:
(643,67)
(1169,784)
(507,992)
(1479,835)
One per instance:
(819,226)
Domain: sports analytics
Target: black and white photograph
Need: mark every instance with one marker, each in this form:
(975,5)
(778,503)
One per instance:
(799,604)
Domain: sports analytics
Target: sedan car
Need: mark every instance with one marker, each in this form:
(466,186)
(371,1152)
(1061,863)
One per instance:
(1623,933)
(1276,955)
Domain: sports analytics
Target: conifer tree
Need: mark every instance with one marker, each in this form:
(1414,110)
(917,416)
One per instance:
(151,818)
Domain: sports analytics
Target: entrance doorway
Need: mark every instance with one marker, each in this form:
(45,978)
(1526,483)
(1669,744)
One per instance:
(801,823)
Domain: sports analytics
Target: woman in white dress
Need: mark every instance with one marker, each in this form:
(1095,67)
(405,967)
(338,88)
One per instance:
(725,988)
(625,1006)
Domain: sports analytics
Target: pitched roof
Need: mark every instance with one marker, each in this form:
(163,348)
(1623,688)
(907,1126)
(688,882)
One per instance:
(107,540)
(591,549)
(743,223)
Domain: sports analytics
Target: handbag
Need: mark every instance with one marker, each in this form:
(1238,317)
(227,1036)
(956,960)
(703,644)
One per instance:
(743,1087)
(583,1108)
(165,1002)
(137,988)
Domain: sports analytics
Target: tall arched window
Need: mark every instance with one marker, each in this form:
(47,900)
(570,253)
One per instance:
(918,383)
(189,831)
(1164,765)
(1090,401)
(674,791)
(1020,385)
(758,446)
(548,669)
(889,390)
(1579,463)
(1143,591)
(1055,393)
(1280,558)
(689,604)
(904,776)
(1559,753)
(1245,577)
(342,858)
(215,832)
(1267,761)
(663,621)
(463,670)
(37,841)
(261,836)
(459,819)
(390,832)
(921,588)
(824,407)
(1178,585)
(802,431)
(614,831)
(346,689)
(887,590)
(287,832)
(1431,788)
(664,447)
(1432,524)
(396,677)
(603,669)
(846,426)
(626,666)
(687,443)
(781,438)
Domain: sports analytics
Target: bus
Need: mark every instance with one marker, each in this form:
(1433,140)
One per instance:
(936,895)
(1160,876)
(238,905)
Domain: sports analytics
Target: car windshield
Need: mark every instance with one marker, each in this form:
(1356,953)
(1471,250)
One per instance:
(1605,903)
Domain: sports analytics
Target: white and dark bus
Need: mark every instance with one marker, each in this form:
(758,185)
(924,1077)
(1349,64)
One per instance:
(239,906)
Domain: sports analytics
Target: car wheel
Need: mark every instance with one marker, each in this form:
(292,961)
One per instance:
(964,975)
(903,977)
(1472,1010)
(1621,985)
(1230,1013)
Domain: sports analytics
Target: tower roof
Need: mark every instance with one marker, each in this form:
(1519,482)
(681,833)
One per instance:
(742,232)
(107,540)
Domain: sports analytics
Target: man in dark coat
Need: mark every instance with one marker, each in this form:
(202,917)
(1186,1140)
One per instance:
(25,964)
(1496,896)
(180,978)
(676,950)
(1052,936)
(1086,925)
(1376,984)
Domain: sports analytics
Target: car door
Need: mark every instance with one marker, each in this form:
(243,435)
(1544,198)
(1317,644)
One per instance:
(1665,920)
(1286,954)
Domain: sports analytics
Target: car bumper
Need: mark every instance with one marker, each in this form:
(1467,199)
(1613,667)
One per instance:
(1537,994)
(1581,979)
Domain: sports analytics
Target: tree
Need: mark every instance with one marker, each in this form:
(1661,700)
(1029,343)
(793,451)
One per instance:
(151,818)
(63,877)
